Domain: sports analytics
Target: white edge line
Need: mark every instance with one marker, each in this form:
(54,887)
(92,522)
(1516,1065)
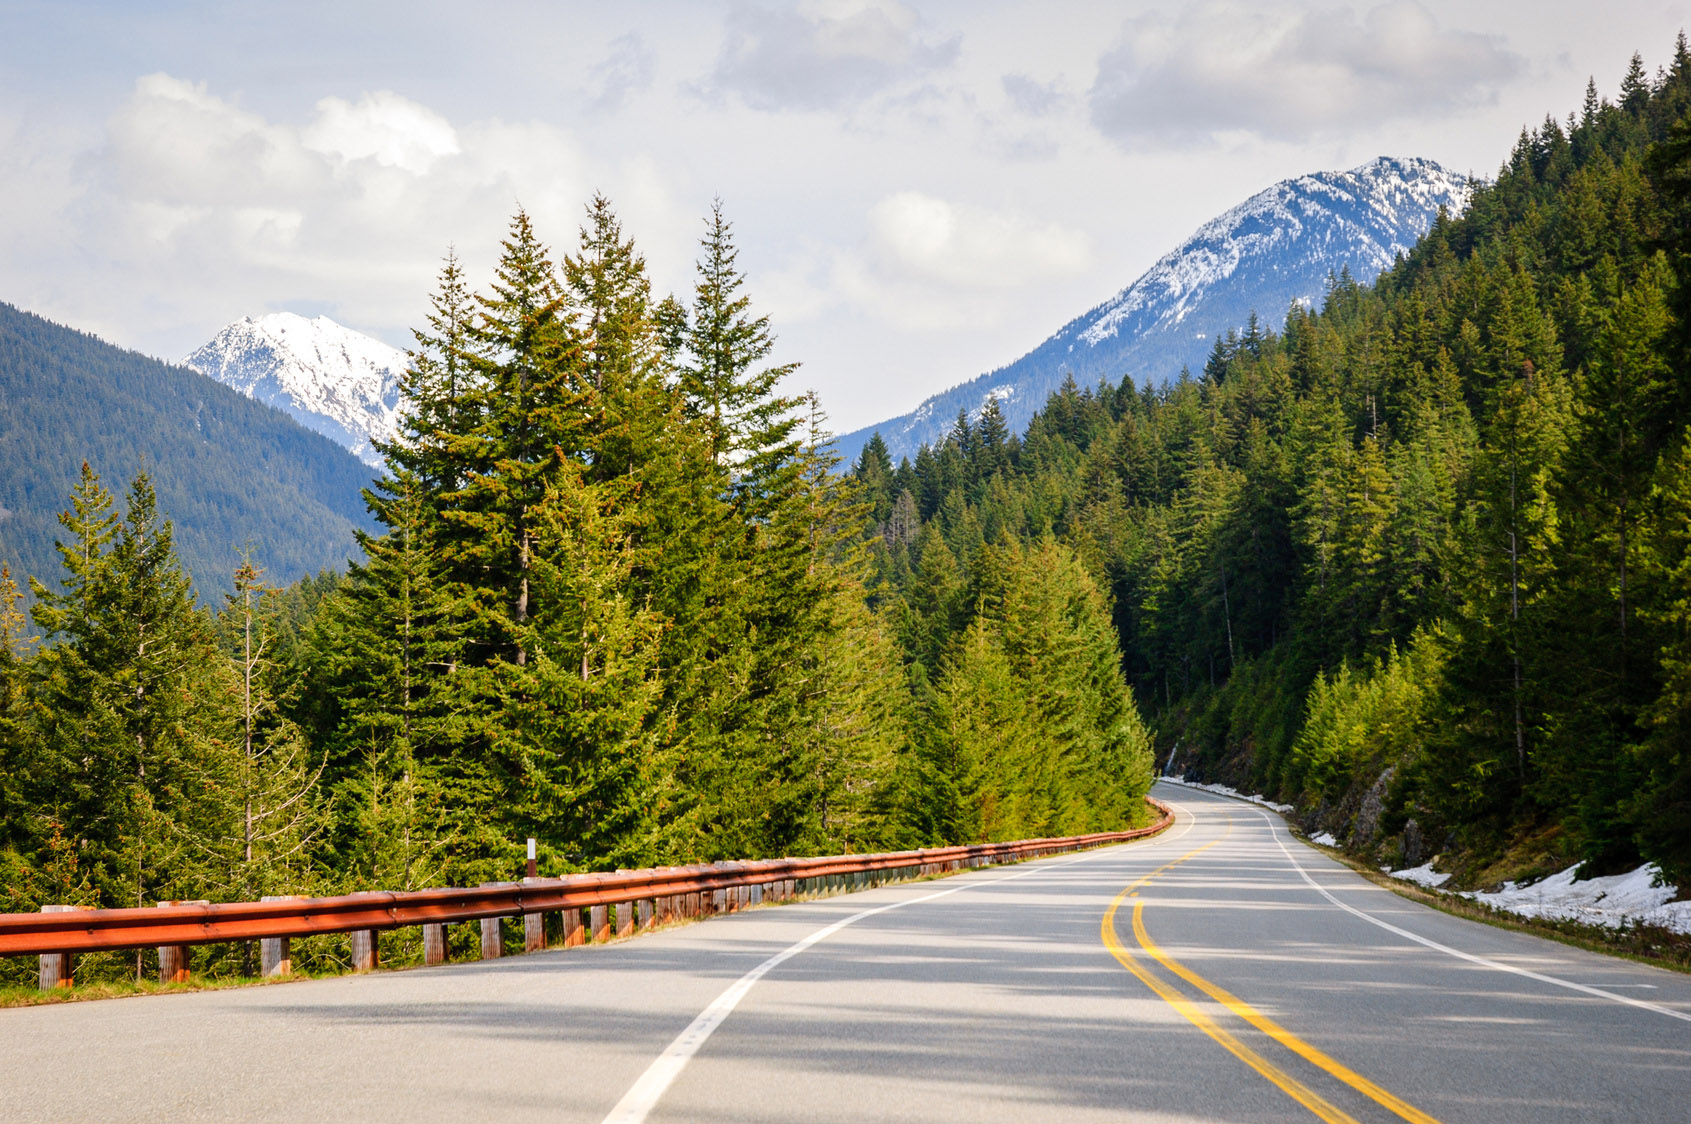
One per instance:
(645,1093)
(1482,961)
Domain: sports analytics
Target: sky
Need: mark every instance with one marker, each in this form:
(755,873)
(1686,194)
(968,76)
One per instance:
(921,192)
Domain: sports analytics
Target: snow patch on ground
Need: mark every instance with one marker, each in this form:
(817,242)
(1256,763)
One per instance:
(1223,790)
(1614,902)
(1423,875)
(1619,900)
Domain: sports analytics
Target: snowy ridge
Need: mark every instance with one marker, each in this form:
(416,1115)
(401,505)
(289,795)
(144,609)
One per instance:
(1278,247)
(1374,212)
(329,378)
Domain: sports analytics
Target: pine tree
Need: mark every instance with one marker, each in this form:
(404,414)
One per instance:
(583,713)
(533,412)
(275,776)
(440,392)
(144,760)
(750,424)
(409,748)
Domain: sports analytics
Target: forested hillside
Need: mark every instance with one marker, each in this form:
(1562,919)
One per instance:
(228,470)
(1420,561)
(617,602)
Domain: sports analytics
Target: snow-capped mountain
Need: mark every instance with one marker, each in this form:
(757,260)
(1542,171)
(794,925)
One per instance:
(329,378)
(1276,247)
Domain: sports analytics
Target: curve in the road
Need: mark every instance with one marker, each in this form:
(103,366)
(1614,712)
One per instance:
(1482,961)
(987,998)
(1288,1084)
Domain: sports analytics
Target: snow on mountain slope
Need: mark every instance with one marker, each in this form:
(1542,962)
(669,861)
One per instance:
(1277,247)
(329,378)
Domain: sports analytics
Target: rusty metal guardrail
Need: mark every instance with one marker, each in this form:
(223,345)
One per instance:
(651,896)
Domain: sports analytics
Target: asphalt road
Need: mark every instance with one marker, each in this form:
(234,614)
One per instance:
(1221,972)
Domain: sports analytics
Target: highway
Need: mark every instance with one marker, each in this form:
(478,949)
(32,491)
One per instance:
(1222,971)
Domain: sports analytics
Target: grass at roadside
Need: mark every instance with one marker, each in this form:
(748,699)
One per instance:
(123,988)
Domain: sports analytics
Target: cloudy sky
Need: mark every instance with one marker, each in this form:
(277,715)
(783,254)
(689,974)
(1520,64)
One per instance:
(922,191)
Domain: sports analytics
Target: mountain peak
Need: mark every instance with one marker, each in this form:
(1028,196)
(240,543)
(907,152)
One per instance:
(1275,248)
(328,377)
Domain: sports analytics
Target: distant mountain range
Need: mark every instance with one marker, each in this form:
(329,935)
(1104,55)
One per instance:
(1276,247)
(327,377)
(227,470)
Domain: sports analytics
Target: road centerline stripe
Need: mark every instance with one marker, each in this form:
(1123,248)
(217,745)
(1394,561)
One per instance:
(1238,1007)
(1274,1030)
(1284,1081)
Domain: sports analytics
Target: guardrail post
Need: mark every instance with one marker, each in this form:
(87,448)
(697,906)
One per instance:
(56,966)
(436,950)
(534,924)
(175,958)
(625,919)
(600,922)
(275,954)
(366,950)
(366,944)
(574,934)
(492,939)
(645,911)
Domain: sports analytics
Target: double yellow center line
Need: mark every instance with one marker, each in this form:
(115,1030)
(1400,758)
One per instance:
(1291,1086)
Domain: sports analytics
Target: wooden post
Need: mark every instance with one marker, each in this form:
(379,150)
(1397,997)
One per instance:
(436,950)
(625,919)
(492,939)
(275,954)
(646,912)
(56,966)
(366,943)
(174,959)
(574,934)
(534,924)
(599,920)
(366,950)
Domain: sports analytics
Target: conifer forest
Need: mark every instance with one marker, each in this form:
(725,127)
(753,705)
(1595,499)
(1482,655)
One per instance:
(1415,559)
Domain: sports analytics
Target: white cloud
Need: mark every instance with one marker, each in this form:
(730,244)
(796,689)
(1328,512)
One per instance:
(192,210)
(1033,97)
(917,236)
(925,265)
(384,127)
(832,56)
(1222,68)
(626,70)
